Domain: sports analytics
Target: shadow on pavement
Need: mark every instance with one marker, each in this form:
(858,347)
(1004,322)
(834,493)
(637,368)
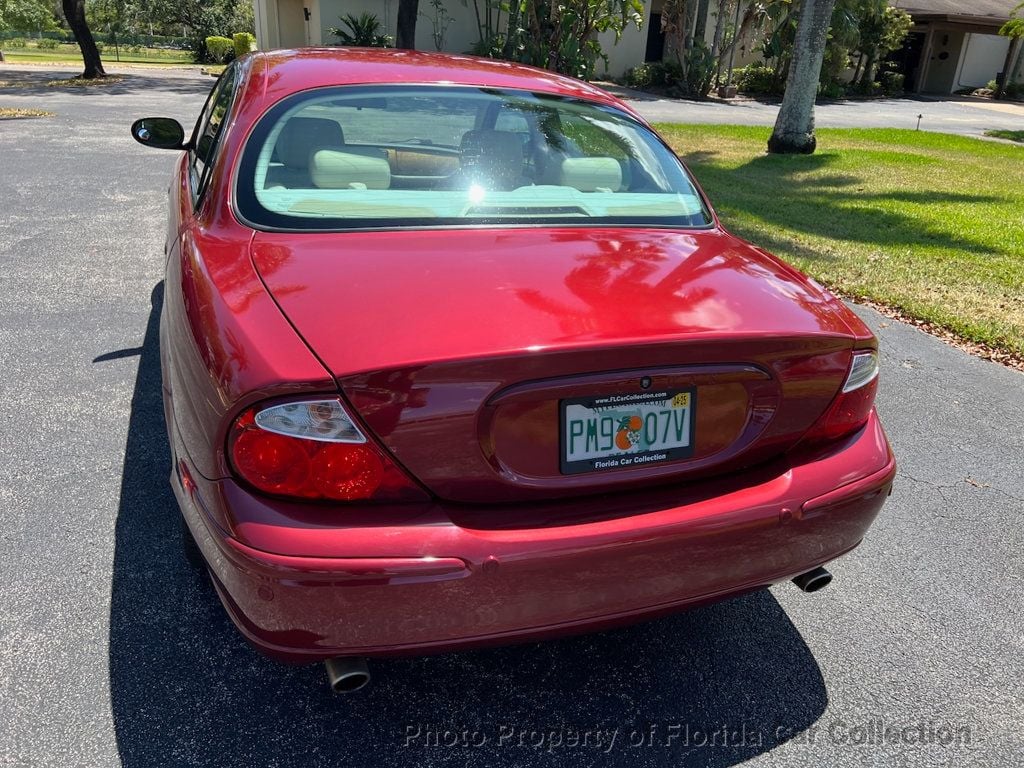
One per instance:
(711,687)
(40,82)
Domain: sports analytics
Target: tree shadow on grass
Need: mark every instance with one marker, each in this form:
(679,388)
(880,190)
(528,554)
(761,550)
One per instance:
(773,190)
(187,691)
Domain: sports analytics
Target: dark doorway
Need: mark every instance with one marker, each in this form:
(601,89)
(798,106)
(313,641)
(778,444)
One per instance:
(907,60)
(655,40)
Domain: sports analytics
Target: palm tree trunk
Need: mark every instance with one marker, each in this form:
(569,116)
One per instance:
(408,10)
(701,29)
(74,12)
(794,126)
(716,45)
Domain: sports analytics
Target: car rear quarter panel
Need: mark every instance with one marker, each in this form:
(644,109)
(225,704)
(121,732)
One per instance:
(224,341)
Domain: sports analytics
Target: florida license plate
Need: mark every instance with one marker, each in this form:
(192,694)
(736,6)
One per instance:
(607,432)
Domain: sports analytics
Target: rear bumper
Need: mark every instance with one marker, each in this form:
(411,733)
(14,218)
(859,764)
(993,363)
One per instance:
(307,583)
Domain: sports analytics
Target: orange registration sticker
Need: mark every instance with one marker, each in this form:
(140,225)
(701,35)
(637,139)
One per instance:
(682,400)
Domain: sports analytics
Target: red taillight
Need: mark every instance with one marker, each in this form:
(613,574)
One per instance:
(852,406)
(313,450)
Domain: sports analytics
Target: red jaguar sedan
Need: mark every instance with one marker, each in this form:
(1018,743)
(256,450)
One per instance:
(455,352)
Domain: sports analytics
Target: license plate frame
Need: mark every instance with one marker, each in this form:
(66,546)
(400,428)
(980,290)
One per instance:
(618,406)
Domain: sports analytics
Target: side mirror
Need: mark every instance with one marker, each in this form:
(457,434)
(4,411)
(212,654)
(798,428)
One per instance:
(159,133)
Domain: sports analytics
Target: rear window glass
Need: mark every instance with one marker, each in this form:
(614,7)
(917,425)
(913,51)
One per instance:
(426,156)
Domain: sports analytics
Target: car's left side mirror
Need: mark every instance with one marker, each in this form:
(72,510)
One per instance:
(159,133)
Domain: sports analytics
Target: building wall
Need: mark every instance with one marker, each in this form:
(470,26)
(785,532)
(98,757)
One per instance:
(272,30)
(970,60)
(291,23)
(628,51)
(982,59)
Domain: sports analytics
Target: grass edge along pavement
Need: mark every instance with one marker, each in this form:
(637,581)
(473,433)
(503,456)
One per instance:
(928,227)
(1017,136)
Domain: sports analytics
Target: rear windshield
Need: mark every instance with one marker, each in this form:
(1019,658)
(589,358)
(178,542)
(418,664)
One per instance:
(411,157)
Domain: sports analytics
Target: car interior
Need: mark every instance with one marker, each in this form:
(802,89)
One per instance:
(311,153)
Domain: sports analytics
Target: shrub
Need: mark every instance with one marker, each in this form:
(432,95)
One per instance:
(244,42)
(655,73)
(219,48)
(16,42)
(491,47)
(832,90)
(892,83)
(756,79)
(992,85)
(639,76)
(47,43)
(700,72)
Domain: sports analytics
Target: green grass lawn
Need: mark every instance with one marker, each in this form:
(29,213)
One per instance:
(926,223)
(70,53)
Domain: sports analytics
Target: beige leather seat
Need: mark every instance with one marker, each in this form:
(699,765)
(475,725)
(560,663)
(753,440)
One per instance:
(492,159)
(591,174)
(299,138)
(331,168)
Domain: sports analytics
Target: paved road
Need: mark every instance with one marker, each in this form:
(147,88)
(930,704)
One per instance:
(112,653)
(968,116)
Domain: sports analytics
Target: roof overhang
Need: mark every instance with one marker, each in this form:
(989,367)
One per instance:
(986,25)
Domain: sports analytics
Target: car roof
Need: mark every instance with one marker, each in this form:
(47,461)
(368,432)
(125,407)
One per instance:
(290,70)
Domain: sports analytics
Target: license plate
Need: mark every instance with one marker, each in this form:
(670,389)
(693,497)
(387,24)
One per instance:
(608,432)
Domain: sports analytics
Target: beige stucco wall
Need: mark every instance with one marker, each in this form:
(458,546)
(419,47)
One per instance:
(274,31)
(973,59)
(982,58)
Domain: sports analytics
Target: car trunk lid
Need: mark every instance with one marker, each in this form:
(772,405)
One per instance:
(473,355)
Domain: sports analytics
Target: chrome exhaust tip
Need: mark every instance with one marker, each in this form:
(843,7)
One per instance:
(347,674)
(814,580)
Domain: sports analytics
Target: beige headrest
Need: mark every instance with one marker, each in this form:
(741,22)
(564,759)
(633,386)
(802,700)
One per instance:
(494,153)
(336,169)
(589,174)
(300,134)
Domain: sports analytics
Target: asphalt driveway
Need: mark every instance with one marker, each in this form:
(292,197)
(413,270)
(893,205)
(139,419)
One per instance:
(113,653)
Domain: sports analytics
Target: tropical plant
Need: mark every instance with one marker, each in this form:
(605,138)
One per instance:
(363,31)
(440,20)
(882,29)
(684,23)
(561,35)
(1013,29)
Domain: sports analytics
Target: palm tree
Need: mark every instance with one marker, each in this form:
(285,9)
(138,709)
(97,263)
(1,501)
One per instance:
(794,126)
